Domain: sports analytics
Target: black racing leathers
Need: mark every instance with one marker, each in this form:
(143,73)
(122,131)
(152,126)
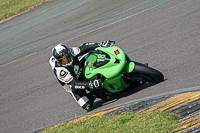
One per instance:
(76,69)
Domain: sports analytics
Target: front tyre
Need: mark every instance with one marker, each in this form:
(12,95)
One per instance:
(143,73)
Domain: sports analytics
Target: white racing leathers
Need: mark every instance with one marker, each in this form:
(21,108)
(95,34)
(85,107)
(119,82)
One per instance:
(70,76)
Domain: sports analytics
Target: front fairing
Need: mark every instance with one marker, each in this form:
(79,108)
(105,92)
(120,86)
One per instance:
(108,62)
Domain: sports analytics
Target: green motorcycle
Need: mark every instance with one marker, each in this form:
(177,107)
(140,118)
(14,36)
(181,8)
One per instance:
(116,70)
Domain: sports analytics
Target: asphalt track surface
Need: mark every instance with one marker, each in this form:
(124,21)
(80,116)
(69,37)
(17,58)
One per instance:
(166,34)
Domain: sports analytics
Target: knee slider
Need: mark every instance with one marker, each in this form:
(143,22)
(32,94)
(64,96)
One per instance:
(87,106)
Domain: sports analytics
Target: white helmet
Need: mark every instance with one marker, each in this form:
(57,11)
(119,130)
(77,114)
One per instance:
(62,54)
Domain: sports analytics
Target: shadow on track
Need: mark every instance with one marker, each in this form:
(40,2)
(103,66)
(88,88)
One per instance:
(130,91)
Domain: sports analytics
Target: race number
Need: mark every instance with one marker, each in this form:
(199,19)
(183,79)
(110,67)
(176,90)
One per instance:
(101,57)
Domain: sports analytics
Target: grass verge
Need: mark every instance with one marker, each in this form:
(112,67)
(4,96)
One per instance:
(10,8)
(149,122)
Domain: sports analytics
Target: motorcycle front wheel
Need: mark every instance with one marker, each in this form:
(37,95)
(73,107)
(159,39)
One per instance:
(142,73)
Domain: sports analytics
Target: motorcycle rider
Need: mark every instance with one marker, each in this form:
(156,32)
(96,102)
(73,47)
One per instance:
(67,68)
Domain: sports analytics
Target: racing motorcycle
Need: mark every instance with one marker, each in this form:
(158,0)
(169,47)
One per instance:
(116,71)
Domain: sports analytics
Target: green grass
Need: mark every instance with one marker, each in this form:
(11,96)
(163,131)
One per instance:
(150,122)
(9,8)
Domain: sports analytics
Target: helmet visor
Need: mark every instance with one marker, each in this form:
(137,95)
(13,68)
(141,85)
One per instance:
(67,59)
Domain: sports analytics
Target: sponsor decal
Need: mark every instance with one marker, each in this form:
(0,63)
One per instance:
(63,73)
(52,59)
(77,71)
(79,87)
(117,52)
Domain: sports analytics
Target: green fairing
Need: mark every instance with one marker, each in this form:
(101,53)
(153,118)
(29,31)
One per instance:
(110,63)
(115,84)
(129,67)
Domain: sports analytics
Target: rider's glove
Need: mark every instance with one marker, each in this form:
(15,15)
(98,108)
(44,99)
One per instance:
(106,43)
(75,51)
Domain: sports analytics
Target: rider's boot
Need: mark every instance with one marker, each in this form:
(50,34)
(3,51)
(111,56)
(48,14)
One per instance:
(89,104)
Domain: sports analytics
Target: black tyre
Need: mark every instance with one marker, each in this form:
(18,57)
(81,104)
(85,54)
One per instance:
(143,73)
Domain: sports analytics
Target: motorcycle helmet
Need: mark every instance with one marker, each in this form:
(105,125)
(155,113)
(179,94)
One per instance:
(62,54)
